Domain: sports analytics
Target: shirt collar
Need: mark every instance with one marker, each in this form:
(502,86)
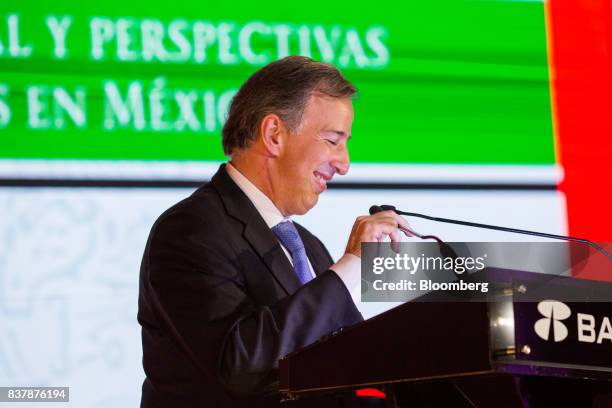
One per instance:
(262,202)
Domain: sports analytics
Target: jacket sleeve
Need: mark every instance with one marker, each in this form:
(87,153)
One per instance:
(197,291)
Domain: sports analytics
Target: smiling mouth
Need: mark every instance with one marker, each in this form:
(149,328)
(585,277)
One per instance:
(322,180)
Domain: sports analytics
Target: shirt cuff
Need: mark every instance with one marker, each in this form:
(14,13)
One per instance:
(348,268)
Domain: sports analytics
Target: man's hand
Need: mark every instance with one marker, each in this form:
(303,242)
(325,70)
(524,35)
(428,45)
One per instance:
(375,228)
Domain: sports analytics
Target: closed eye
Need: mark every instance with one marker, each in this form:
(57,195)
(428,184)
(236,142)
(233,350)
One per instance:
(332,142)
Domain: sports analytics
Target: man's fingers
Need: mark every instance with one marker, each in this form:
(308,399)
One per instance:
(395,236)
(375,228)
(408,232)
(395,240)
(400,221)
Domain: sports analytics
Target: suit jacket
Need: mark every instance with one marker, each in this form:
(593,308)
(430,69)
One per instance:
(220,303)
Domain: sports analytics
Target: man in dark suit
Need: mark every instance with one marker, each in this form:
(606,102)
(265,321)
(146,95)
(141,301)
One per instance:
(229,284)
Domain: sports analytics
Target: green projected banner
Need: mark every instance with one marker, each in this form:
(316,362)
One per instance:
(445,82)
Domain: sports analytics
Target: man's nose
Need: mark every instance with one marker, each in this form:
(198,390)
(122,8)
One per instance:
(341,162)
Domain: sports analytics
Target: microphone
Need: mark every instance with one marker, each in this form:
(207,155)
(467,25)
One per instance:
(378,208)
(444,247)
(374,209)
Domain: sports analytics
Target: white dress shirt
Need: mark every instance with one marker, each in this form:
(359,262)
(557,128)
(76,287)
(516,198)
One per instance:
(347,268)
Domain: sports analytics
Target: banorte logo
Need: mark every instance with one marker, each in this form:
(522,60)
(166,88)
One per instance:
(550,326)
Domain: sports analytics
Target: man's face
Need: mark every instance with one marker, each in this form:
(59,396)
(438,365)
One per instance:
(313,154)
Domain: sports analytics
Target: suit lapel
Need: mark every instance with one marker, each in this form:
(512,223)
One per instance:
(270,251)
(255,232)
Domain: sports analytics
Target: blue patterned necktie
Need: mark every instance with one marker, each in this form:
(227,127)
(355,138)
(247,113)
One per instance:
(288,235)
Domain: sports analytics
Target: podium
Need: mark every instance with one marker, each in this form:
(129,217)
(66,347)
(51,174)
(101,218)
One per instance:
(538,341)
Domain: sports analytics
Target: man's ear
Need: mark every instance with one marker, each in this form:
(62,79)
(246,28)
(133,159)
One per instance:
(272,131)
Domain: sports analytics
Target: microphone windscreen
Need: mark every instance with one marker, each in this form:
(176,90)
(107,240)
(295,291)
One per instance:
(387,208)
(374,209)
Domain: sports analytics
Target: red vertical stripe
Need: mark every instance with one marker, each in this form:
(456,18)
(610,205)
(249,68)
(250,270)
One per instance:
(580,55)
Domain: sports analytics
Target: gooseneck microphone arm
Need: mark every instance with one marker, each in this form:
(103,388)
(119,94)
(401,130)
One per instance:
(378,208)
